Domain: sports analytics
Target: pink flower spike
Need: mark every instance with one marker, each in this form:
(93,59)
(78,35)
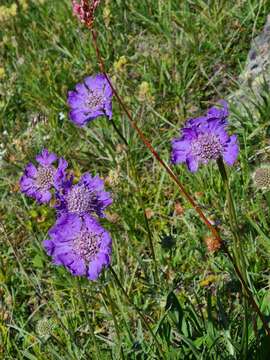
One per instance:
(85,10)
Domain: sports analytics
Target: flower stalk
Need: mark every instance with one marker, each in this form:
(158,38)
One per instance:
(108,294)
(150,238)
(149,145)
(237,245)
(81,296)
(138,311)
(182,189)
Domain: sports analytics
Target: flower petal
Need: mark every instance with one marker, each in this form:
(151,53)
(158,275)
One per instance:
(231,150)
(46,158)
(192,163)
(30,170)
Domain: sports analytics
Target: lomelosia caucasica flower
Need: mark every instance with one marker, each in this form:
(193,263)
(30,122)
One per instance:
(205,138)
(90,99)
(82,245)
(85,197)
(38,181)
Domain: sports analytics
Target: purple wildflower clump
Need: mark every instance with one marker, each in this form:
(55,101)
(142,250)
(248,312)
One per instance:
(90,99)
(82,245)
(205,138)
(87,197)
(77,240)
(38,181)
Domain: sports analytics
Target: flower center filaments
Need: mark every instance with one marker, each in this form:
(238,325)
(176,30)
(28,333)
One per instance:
(95,100)
(81,200)
(207,147)
(45,176)
(86,245)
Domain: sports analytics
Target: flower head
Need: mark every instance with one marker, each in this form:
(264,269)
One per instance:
(261,177)
(44,327)
(85,11)
(85,197)
(91,99)
(82,245)
(204,139)
(37,181)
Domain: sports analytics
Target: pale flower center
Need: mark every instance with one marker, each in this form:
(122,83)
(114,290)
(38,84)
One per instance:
(207,147)
(81,200)
(86,245)
(95,100)
(45,176)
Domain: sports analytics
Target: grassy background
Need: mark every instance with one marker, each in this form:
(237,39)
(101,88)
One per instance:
(170,60)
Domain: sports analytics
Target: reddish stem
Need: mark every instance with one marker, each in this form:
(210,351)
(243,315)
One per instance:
(150,147)
(179,184)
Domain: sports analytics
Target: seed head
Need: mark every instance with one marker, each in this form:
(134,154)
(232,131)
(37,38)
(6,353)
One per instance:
(44,327)
(261,178)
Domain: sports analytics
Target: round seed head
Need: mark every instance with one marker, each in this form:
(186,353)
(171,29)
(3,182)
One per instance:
(261,178)
(44,327)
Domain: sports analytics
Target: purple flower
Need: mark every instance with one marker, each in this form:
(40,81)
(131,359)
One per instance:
(204,139)
(82,245)
(85,197)
(219,113)
(90,99)
(37,181)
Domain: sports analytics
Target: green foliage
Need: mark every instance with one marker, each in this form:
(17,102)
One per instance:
(170,60)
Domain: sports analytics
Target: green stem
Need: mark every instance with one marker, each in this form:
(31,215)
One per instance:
(119,132)
(160,351)
(82,298)
(267,197)
(237,250)
(237,244)
(108,293)
(150,238)
(247,292)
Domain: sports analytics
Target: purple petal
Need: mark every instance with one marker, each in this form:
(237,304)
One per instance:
(196,121)
(96,266)
(231,151)
(48,246)
(180,149)
(60,175)
(46,158)
(81,89)
(192,163)
(66,227)
(78,117)
(76,100)
(93,81)
(78,267)
(43,197)
(219,112)
(27,183)
(30,170)
(108,110)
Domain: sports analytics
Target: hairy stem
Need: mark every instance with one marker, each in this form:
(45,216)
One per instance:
(149,145)
(138,311)
(119,132)
(82,298)
(237,245)
(150,238)
(182,189)
(108,293)
(248,292)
